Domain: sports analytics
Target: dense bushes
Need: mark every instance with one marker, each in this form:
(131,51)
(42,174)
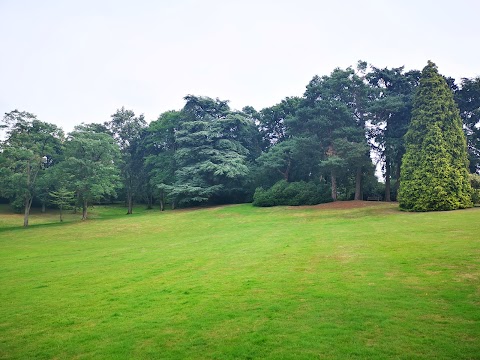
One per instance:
(294,193)
(475,182)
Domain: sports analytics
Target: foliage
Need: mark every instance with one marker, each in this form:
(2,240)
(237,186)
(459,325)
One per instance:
(63,198)
(30,147)
(389,115)
(90,160)
(475,183)
(434,168)
(467,97)
(210,155)
(294,194)
(333,115)
(207,153)
(127,130)
(272,121)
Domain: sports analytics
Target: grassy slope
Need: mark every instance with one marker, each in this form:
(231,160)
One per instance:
(242,282)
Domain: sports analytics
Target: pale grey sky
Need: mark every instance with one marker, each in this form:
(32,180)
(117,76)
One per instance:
(78,61)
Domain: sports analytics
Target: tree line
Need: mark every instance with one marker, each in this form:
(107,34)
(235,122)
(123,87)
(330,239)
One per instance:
(305,150)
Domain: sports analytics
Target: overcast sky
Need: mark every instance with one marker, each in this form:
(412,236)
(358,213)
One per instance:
(78,61)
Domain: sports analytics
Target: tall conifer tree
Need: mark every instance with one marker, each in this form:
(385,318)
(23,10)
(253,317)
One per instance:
(435,165)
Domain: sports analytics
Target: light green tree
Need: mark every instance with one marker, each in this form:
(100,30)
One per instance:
(434,173)
(30,147)
(90,161)
(63,198)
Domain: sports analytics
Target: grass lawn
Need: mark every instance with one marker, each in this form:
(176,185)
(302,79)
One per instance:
(239,282)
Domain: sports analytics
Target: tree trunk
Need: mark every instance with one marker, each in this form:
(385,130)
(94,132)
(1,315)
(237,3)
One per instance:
(61,213)
(387,180)
(287,171)
(43,206)
(162,201)
(358,184)
(28,201)
(28,204)
(149,202)
(129,203)
(334,186)
(84,210)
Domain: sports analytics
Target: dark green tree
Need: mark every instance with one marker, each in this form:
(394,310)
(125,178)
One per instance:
(434,173)
(126,129)
(271,121)
(210,158)
(390,113)
(280,159)
(160,145)
(475,183)
(333,112)
(467,97)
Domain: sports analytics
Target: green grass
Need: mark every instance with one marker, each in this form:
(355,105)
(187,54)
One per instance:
(239,282)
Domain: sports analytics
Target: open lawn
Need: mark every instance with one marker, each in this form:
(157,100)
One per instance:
(238,282)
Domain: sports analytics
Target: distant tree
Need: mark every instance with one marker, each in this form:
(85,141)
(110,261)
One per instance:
(467,97)
(271,121)
(63,198)
(390,113)
(475,183)
(45,184)
(90,160)
(127,130)
(29,148)
(435,165)
(160,145)
(280,159)
(333,112)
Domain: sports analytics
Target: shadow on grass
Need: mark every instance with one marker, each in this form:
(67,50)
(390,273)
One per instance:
(97,213)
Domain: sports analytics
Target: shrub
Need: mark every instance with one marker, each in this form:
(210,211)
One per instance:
(293,194)
(475,182)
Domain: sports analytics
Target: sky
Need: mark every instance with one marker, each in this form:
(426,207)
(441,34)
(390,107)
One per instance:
(78,61)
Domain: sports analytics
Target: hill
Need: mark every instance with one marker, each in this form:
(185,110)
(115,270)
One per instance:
(237,282)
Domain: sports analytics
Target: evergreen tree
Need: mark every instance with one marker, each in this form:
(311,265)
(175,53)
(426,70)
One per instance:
(435,165)
(468,100)
(333,113)
(63,198)
(210,158)
(390,114)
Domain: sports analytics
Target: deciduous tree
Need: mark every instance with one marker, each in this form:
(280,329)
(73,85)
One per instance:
(90,160)
(29,148)
(126,129)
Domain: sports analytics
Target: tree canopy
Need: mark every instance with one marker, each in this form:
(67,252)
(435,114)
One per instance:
(317,147)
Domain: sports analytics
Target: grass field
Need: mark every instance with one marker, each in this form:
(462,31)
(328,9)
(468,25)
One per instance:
(239,282)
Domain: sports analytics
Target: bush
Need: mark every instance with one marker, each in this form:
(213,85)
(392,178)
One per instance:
(293,194)
(475,182)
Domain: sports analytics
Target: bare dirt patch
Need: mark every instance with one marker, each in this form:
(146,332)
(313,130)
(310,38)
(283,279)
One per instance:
(351,204)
